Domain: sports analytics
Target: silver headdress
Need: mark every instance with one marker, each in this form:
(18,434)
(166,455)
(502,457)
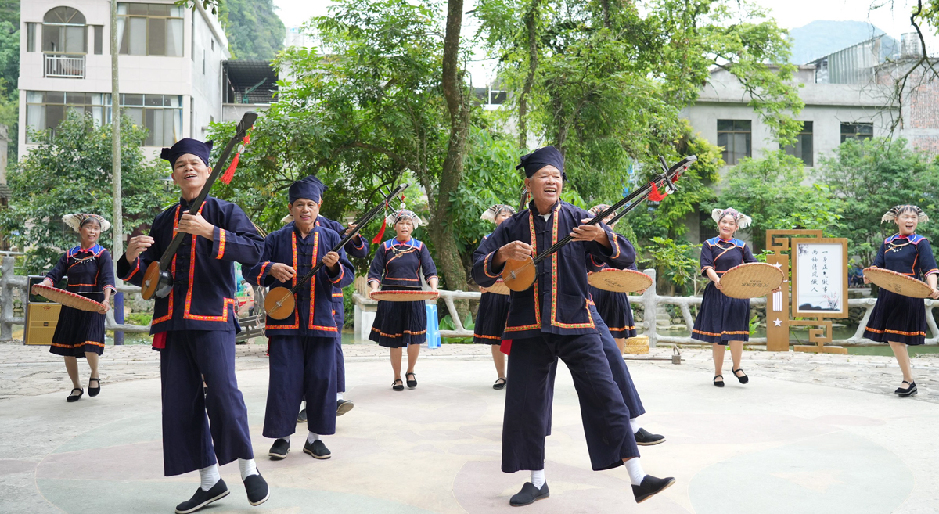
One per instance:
(77,220)
(493,212)
(895,212)
(743,221)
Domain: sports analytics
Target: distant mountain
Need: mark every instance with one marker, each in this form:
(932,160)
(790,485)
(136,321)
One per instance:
(822,37)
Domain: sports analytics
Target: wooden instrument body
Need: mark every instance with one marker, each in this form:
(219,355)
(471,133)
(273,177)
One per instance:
(519,275)
(279,303)
(898,283)
(156,282)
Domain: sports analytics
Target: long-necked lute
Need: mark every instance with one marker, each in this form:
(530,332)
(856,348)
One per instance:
(279,302)
(520,275)
(157,280)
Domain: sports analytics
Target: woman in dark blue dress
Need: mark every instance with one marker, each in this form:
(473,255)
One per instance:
(896,319)
(80,334)
(397,266)
(613,307)
(493,308)
(723,320)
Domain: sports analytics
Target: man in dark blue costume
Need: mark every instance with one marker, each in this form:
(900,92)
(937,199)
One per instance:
(194,328)
(551,320)
(302,346)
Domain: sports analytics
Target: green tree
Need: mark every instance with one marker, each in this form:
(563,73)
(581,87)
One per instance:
(607,82)
(773,192)
(9,70)
(71,172)
(867,178)
(253,29)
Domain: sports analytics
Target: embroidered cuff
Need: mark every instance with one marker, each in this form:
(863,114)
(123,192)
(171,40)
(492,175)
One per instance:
(135,267)
(931,272)
(342,273)
(265,268)
(487,266)
(219,243)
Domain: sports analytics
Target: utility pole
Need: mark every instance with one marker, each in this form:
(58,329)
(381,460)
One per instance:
(117,215)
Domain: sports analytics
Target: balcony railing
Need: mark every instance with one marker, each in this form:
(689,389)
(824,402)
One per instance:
(64,65)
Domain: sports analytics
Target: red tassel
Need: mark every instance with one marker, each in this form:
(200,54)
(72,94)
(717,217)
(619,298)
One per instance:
(381,233)
(506,346)
(655,195)
(159,341)
(230,172)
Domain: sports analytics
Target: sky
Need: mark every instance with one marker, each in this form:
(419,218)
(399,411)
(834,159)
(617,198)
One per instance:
(891,16)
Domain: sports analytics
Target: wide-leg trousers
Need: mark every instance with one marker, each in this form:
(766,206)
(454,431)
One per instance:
(603,412)
(200,430)
(301,367)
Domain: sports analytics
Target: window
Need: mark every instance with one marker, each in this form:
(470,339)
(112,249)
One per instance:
(150,29)
(31,33)
(734,136)
(45,109)
(64,31)
(803,147)
(99,39)
(856,131)
(162,115)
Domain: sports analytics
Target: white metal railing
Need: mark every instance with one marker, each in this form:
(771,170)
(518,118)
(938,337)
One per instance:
(64,65)
(650,301)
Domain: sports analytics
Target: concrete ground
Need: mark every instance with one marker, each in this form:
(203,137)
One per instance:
(808,434)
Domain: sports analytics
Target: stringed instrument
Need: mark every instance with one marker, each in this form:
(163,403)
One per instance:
(157,280)
(280,302)
(520,275)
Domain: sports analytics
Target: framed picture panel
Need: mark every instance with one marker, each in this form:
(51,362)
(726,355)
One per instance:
(820,277)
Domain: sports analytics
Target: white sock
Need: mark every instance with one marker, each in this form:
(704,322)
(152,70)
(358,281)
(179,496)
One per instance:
(209,477)
(247,467)
(312,437)
(634,424)
(537,478)
(636,474)
(338,396)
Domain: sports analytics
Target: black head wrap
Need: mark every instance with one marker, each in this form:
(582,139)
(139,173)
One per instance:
(310,188)
(540,158)
(187,145)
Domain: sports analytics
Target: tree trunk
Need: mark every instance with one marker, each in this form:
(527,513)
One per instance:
(531,27)
(448,257)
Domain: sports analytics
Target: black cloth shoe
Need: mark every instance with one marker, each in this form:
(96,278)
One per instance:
(499,385)
(279,449)
(93,391)
(744,379)
(257,489)
(909,391)
(72,397)
(397,385)
(721,383)
(301,418)
(650,487)
(203,498)
(646,438)
(902,390)
(411,383)
(529,494)
(343,406)
(317,450)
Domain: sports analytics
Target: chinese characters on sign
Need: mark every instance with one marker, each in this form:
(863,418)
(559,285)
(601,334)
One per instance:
(820,281)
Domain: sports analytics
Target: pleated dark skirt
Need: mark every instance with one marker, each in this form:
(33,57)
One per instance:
(721,318)
(399,324)
(78,332)
(897,318)
(490,318)
(616,312)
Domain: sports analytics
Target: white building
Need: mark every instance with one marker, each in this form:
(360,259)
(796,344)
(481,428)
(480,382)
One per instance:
(170,66)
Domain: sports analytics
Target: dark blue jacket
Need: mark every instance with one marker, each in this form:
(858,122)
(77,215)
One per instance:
(556,302)
(286,246)
(353,248)
(203,295)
